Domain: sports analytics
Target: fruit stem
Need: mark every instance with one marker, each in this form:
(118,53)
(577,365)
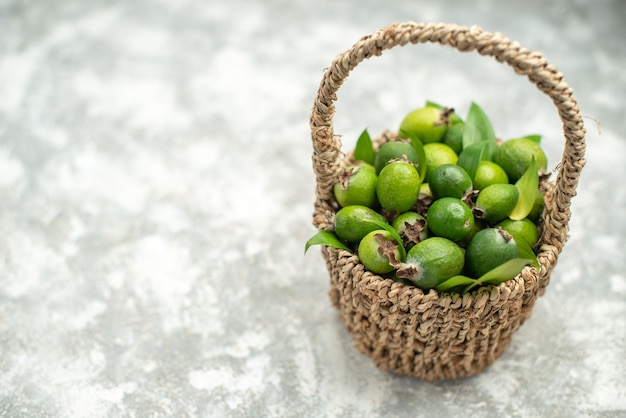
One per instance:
(444,117)
(387,248)
(505,234)
(408,271)
(479,212)
(345,176)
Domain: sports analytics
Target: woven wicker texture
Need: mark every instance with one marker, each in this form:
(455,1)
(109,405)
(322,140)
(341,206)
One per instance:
(402,328)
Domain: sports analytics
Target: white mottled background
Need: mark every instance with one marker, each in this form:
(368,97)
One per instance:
(156,192)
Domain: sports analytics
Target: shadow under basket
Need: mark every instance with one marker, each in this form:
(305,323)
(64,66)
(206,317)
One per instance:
(426,334)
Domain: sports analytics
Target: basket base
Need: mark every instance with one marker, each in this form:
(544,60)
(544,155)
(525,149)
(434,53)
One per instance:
(407,331)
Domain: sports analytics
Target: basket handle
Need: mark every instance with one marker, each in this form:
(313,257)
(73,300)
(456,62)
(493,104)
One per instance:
(327,156)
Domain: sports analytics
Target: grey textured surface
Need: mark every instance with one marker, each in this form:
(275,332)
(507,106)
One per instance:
(156,192)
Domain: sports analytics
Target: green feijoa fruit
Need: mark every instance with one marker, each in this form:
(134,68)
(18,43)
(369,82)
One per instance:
(454,137)
(449,180)
(379,252)
(488,249)
(411,227)
(431,262)
(523,229)
(495,202)
(398,186)
(515,156)
(356,186)
(394,150)
(428,123)
(489,173)
(352,223)
(438,154)
(450,218)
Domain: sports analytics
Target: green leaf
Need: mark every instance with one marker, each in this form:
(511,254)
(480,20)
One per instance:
(534,137)
(527,186)
(419,150)
(478,127)
(433,104)
(472,155)
(394,234)
(526,252)
(364,150)
(325,238)
(502,273)
(490,150)
(453,282)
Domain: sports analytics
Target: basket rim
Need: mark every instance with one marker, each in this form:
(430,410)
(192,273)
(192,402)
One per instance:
(436,295)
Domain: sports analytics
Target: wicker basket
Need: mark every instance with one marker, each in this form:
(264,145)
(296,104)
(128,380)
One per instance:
(424,333)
